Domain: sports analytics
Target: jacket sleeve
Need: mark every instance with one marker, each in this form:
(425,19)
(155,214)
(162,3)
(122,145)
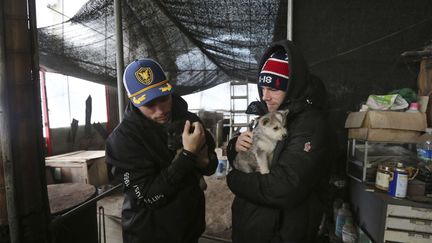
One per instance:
(213,160)
(142,180)
(231,152)
(291,179)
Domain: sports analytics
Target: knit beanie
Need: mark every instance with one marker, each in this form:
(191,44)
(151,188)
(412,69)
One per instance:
(275,72)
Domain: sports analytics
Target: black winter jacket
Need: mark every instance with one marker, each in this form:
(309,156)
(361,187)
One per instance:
(287,204)
(162,198)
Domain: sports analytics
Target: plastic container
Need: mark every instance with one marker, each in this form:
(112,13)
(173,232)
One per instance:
(424,146)
(414,107)
(398,182)
(349,232)
(221,170)
(343,214)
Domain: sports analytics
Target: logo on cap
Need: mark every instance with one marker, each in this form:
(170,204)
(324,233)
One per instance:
(167,88)
(144,75)
(139,100)
(307,147)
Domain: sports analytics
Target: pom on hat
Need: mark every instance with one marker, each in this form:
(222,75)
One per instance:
(275,72)
(145,80)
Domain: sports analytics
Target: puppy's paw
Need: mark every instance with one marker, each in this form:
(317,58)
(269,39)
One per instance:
(264,171)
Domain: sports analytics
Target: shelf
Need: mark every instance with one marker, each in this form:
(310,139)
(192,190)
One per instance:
(363,157)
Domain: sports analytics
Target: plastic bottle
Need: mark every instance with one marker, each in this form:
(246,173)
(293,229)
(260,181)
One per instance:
(424,146)
(343,214)
(349,232)
(221,169)
(337,204)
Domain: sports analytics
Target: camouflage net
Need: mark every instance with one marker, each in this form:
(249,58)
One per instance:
(199,43)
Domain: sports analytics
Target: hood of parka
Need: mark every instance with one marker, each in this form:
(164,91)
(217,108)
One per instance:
(303,89)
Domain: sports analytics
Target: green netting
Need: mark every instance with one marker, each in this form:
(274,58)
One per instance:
(200,43)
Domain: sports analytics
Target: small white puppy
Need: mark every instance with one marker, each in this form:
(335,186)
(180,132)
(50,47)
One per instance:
(270,129)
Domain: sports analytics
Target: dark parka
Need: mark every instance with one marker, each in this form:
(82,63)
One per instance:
(162,198)
(287,204)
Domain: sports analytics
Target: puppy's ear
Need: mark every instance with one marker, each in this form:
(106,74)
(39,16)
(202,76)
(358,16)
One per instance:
(284,112)
(265,121)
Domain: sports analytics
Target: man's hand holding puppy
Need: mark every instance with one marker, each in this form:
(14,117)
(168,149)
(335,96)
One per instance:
(244,141)
(193,141)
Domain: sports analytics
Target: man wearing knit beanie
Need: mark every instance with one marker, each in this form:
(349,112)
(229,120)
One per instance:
(287,204)
(273,80)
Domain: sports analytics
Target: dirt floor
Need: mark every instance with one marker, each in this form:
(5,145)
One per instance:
(218,208)
(218,212)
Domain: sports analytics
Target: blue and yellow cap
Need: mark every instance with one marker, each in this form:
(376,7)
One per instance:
(145,80)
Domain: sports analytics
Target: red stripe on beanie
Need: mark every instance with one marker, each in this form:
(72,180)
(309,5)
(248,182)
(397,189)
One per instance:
(277,67)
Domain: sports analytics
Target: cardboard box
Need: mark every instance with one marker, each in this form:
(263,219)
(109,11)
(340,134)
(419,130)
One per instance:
(80,166)
(386,126)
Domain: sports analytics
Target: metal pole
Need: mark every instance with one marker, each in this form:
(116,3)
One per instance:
(289,19)
(119,56)
(45,210)
(5,145)
(21,145)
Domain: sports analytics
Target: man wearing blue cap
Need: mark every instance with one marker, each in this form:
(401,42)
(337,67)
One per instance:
(163,201)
